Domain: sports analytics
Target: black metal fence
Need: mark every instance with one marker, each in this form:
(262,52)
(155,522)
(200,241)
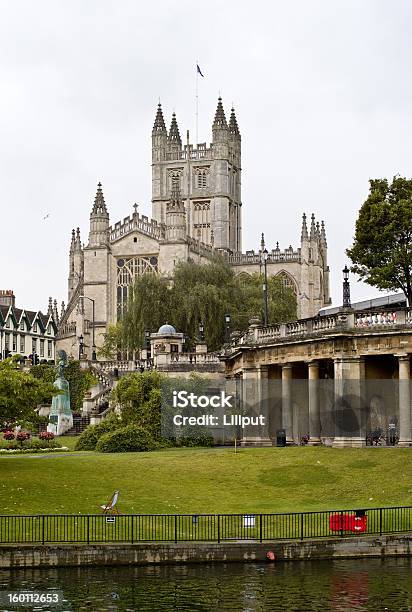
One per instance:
(131,528)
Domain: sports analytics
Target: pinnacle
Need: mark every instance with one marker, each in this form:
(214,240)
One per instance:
(304,234)
(220,118)
(174,135)
(233,126)
(99,203)
(159,124)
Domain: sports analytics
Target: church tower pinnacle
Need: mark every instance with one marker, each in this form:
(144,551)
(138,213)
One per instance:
(99,220)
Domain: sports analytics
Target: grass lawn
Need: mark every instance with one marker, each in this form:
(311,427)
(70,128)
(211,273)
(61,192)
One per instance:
(207,480)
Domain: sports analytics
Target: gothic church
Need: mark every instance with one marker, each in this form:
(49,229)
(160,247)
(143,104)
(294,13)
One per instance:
(196,212)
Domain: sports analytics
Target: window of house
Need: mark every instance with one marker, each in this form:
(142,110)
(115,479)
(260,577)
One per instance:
(22,325)
(22,345)
(34,345)
(14,343)
(41,348)
(49,349)
(35,328)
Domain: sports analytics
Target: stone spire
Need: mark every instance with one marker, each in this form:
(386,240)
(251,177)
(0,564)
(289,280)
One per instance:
(312,227)
(220,118)
(233,126)
(55,312)
(174,142)
(72,244)
(262,243)
(99,206)
(159,124)
(62,310)
(174,135)
(78,242)
(317,229)
(99,220)
(50,307)
(323,234)
(304,234)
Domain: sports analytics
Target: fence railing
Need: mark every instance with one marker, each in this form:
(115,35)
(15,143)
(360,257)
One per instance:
(133,528)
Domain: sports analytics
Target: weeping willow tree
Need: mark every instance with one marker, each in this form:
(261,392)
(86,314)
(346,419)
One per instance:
(198,292)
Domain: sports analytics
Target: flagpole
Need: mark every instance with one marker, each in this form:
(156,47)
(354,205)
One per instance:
(197,103)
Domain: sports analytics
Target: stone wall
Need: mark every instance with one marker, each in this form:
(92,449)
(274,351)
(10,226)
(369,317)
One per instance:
(69,555)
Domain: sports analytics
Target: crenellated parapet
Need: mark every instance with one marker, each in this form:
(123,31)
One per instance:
(142,223)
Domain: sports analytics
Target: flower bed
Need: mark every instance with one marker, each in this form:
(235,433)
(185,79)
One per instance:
(25,451)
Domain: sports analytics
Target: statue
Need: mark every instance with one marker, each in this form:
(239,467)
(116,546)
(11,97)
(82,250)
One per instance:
(61,416)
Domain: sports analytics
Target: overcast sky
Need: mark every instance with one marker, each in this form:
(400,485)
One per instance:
(322,92)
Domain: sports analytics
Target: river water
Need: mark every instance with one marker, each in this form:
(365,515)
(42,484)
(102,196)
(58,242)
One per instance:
(363,584)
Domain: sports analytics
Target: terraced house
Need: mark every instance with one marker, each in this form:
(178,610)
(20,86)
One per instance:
(27,332)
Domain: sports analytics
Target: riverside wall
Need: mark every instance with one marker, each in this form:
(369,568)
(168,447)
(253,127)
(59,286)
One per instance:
(75,555)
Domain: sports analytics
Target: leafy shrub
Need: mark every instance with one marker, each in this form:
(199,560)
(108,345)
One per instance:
(131,438)
(21,436)
(195,439)
(36,443)
(90,436)
(8,435)
(46,435)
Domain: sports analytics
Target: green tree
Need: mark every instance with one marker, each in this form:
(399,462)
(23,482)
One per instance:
(20,393)
(140,398)
(112,344)
(148,307)
(382,249)
(200,292)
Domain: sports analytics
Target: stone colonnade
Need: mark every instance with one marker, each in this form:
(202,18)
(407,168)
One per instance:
(349,378)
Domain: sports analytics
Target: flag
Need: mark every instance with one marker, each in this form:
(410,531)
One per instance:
(199,71)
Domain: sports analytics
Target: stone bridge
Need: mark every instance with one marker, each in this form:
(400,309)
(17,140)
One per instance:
(335,377)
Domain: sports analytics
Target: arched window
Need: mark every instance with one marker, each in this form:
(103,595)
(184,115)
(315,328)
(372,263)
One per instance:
(287,281)
(128,269)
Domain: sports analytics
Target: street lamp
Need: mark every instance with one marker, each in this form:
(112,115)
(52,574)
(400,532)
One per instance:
(346,288)
(85,297)
(264,259)
(227,327)
(201,332)
(81,346)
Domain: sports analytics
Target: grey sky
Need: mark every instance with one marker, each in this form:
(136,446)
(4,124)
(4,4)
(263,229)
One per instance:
(322,96)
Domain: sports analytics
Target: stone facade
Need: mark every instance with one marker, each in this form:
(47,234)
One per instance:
(196,209)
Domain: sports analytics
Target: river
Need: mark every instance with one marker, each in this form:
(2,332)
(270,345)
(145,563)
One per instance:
(364,584)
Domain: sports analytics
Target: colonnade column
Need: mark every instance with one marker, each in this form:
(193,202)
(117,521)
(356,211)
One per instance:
(287,415)
(314,405)
(349,374)
(256,405)
(404,401)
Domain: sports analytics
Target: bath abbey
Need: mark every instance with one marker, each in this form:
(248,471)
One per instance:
(196,213)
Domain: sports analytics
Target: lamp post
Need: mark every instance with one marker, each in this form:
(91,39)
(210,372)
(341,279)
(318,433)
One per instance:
(85,297)
(263,260)
(201,332)
(81,346)
(346,288)
(227,327)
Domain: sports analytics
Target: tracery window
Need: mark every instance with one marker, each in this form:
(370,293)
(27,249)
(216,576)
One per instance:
(287,281)
(128,268)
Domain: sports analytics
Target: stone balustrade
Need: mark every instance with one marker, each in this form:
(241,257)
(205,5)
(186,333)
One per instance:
(324,324)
